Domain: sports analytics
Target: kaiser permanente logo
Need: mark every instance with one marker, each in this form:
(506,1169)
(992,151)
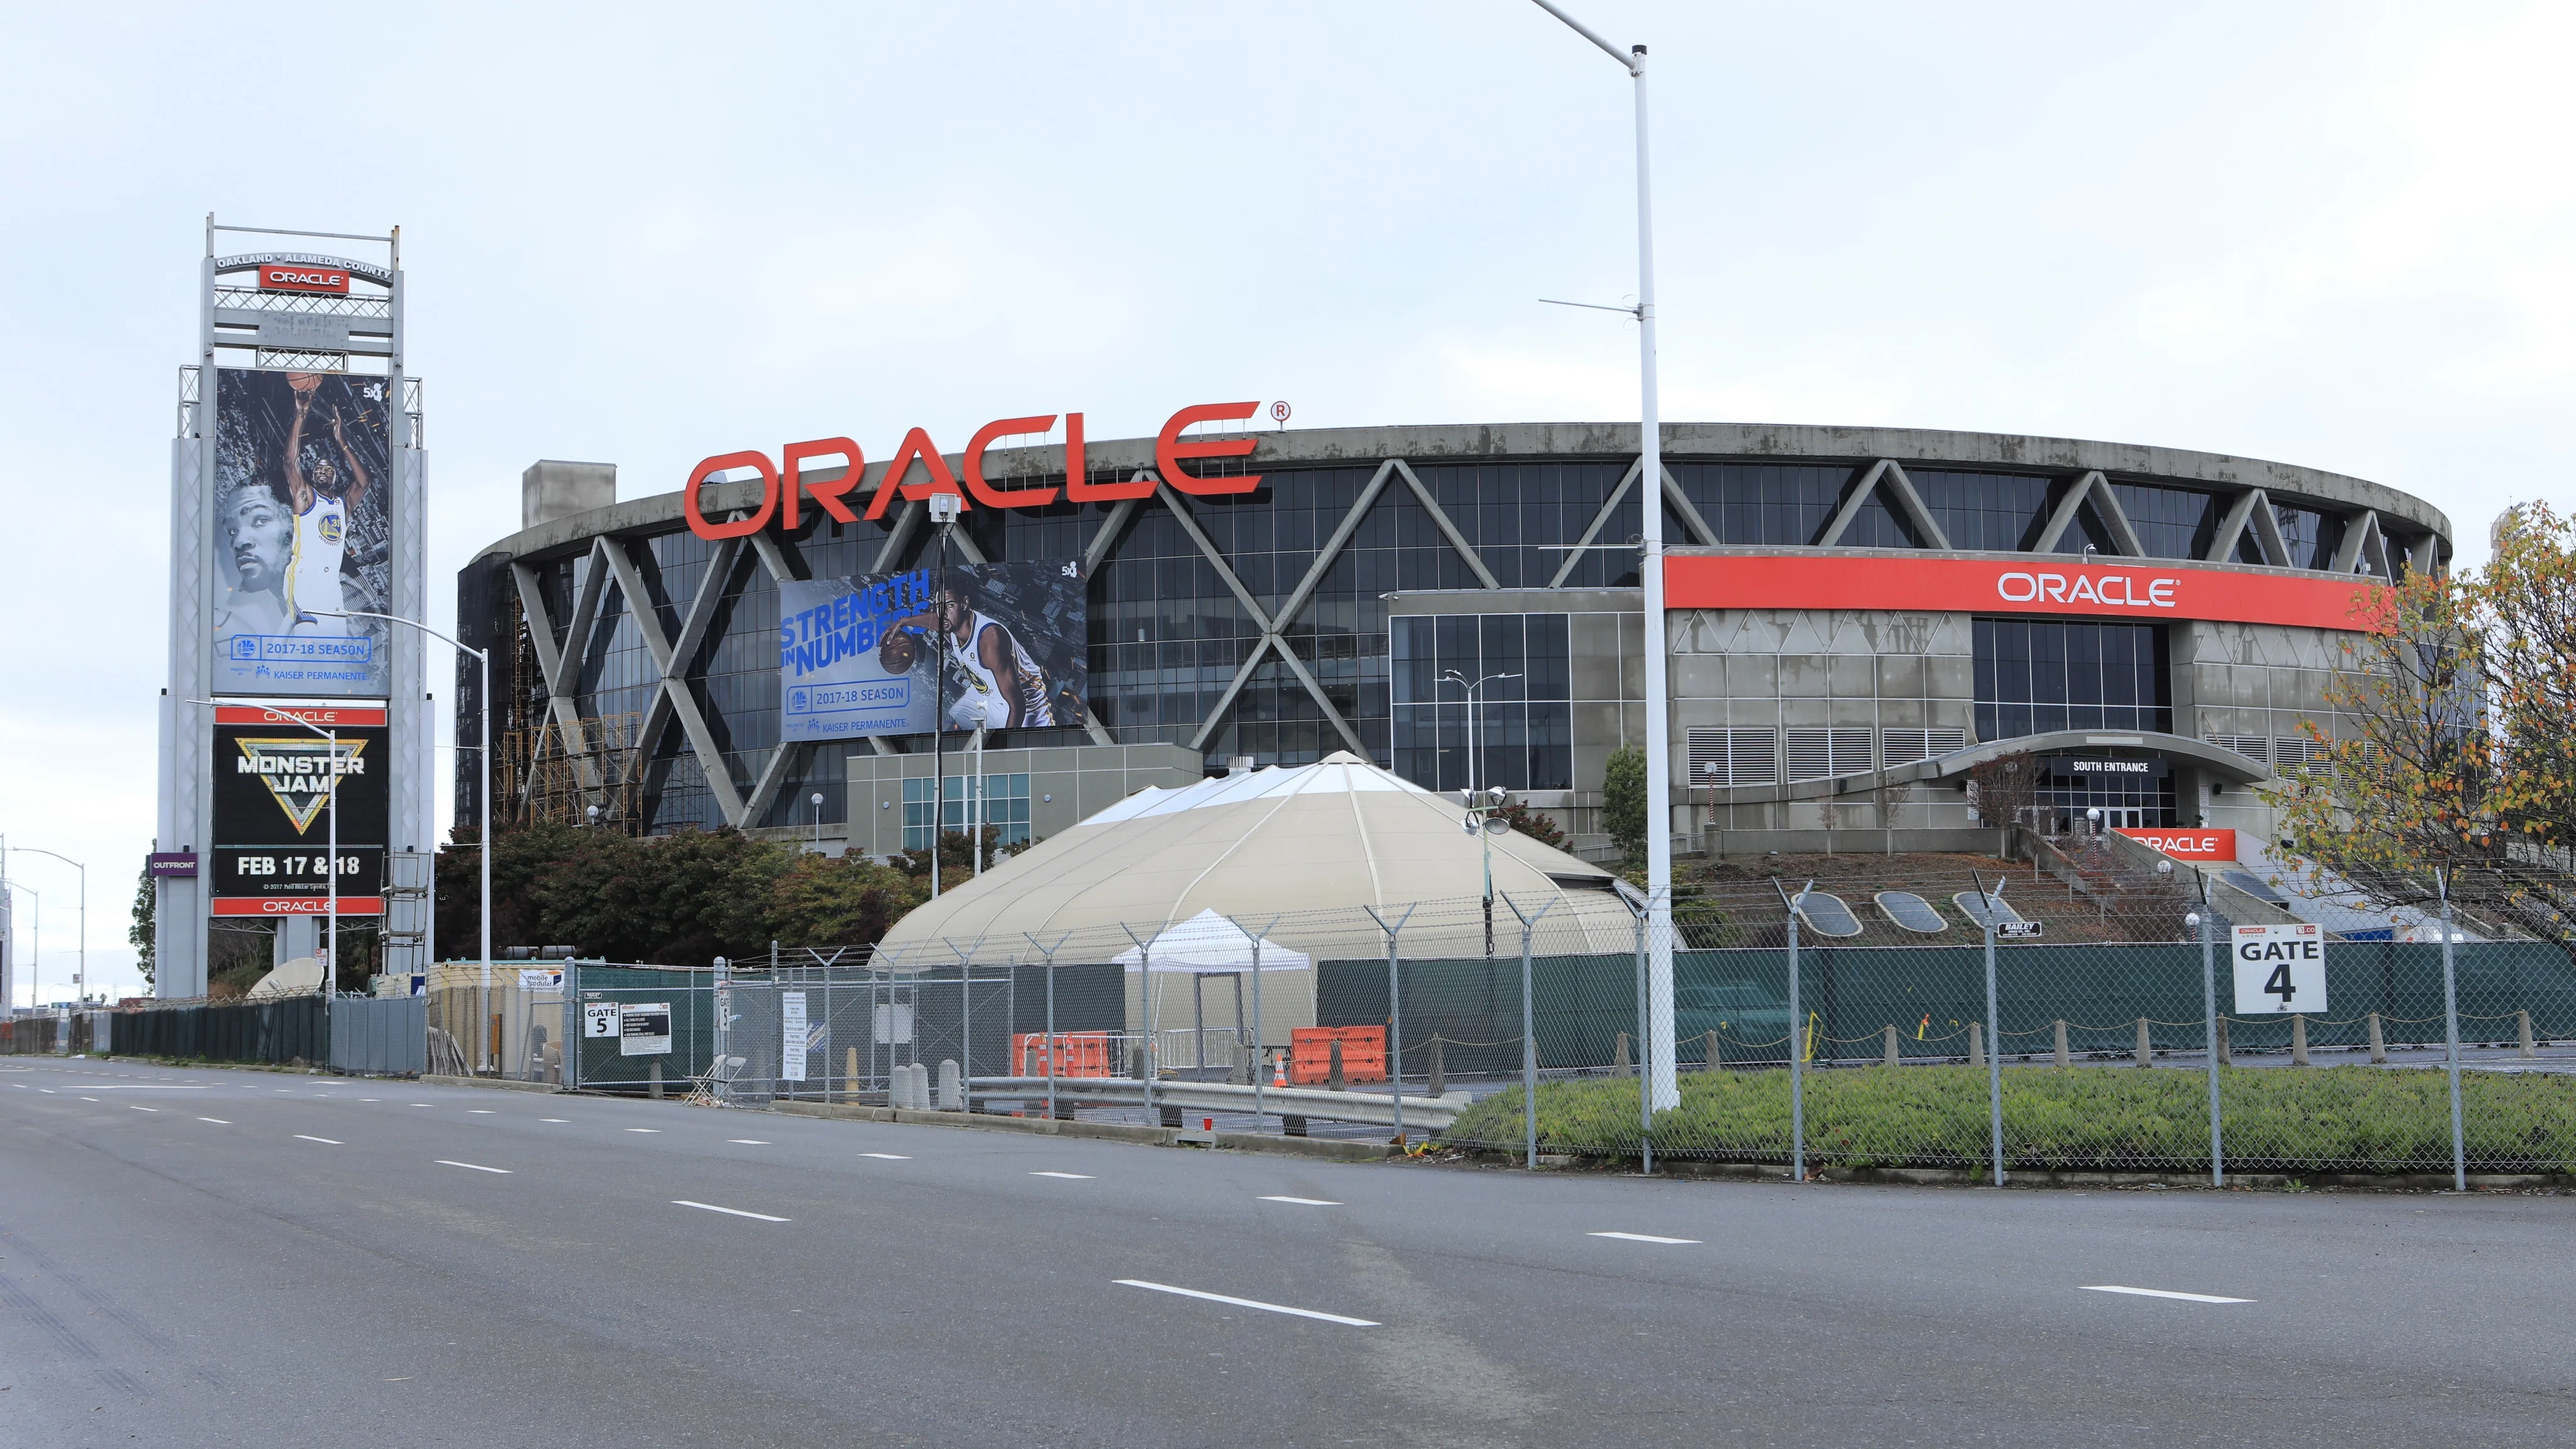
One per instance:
(298,772)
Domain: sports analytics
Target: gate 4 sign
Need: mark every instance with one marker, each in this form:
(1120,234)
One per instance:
(2280,969)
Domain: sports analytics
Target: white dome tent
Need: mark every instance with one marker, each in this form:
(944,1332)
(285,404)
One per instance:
(1299,855)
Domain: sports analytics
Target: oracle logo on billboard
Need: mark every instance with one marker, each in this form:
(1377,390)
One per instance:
(786,484)
(2020,586)
(299,277)
(2188,844)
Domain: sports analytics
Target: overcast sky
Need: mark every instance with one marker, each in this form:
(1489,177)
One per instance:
(2332,234)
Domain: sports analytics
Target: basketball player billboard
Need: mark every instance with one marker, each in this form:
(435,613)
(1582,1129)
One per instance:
(300,531)
(1000,645)
(274,798)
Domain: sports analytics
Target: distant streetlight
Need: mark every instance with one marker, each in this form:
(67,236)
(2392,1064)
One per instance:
(1476,816)
(80,982)
(36,961)
(816,800)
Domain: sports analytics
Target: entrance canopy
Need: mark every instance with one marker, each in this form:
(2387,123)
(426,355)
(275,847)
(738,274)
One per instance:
(1208,944)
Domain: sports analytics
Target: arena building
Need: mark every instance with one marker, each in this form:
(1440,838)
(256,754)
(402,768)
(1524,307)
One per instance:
(1856,616)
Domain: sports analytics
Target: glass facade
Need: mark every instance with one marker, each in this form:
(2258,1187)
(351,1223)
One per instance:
(1523,726)
(2038,675)
(1006,805)
(1172,631)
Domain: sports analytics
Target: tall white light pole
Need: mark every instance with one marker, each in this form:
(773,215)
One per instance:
(36,957)
(483,660)
(80,986)
(1663,1089)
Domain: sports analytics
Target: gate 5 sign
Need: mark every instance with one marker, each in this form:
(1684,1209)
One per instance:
(2280,970)
(599,1021)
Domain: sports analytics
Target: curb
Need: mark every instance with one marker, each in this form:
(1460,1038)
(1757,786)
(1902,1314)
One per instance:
(1327,1149)
(505,1084)
(2045,1177)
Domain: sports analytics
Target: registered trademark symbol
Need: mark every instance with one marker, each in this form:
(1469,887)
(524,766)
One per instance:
(1279,413)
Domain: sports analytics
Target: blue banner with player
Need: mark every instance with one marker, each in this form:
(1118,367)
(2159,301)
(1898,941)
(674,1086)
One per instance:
(997,646)
(301,532)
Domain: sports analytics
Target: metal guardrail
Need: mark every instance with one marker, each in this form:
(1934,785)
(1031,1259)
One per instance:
(1368,1108)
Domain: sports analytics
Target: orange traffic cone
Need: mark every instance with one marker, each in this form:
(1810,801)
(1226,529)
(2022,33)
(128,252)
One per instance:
(1279,1066)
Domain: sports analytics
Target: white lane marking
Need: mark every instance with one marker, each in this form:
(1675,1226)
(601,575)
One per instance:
(887,1156)
(1641,1238)
(1071,1176)
(374,1099)
(145,1087)
(736,1212)
(48,1091)
(415,1104)
(554,1119)
(476,1166)
(747,1141)
(91,1099)
(2160,1293)
(218,1121)
(132,1108)
(480,1111)
(1304,1201)
(325,1141)
(643,1129)
(1249,1303)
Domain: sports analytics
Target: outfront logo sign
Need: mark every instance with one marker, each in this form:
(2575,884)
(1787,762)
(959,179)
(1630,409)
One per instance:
(302,277)
(2153,589)
(918,469)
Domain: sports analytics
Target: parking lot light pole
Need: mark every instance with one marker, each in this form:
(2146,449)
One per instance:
(1662,1085)
(482,660)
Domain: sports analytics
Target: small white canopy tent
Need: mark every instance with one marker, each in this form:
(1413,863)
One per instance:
(1209,944)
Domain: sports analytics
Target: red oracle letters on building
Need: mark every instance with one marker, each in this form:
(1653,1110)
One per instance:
(918,469)
(298,277)
(2147,589)
(2181,844)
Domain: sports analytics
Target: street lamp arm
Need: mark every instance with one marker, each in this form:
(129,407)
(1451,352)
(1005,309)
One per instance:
(39,850)
(399,619)
(1634,62)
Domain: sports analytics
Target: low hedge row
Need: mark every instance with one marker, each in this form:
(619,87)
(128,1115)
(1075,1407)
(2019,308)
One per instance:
(2355,1118)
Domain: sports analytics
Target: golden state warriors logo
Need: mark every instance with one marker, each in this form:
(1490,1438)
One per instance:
(331,528)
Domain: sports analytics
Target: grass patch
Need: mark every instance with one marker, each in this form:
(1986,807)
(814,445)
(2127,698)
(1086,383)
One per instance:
(2360,1119)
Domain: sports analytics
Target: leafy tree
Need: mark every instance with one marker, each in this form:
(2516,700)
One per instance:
(820,901)
(2448,752)
(139,932)
(1530,823)
(1623,803)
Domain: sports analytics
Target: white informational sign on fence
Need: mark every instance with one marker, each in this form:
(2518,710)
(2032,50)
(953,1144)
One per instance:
(644,1029)
(599,1021)
(791,1036)
(2280,970)
(894,1023)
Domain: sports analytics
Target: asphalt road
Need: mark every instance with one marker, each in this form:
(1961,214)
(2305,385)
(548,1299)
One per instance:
(214,1257)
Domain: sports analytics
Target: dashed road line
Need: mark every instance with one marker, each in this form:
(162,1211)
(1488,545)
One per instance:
(554,1119)
(2160,1293)
(747,1141)
(474,1166)
(1304,1201)
(218,1121)
(130,1107)
(643,1129)
(887,1156)
(1642,1238)
(325,1141)
(480,1111)
(1250,1303)
(1071,1176)
(734,1212)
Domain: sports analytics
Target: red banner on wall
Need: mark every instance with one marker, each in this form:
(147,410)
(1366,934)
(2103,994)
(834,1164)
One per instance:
(2189,844)
(2025,584)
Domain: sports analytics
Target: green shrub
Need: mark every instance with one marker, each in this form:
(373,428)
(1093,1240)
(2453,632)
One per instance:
(2086,1118)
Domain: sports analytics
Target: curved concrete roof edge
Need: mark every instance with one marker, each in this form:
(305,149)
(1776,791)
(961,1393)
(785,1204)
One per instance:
(1468,441)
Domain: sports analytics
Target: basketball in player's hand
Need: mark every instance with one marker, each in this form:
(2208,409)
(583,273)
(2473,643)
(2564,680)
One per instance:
(895,652)
(304,381)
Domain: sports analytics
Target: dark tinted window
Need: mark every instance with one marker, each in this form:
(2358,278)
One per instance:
(2038,675)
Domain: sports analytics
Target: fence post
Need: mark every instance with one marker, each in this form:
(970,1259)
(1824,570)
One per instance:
(2522,1023)
(1145,987)
(1891,1048)
(1995,1052)
(2146,1045)
(1260,1083)
(1976,1043)
(1394,1014)
(1645,1083)
(1529,1038)
(2062,1059)
(1797,1030)
(2216,1039)
(2298,1040)
(2451,1040)
(2378,1042)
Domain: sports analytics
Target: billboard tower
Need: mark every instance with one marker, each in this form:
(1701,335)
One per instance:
(296,499)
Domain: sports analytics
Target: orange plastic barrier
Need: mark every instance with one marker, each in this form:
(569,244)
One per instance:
(1077,1054)
(1310,1054)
